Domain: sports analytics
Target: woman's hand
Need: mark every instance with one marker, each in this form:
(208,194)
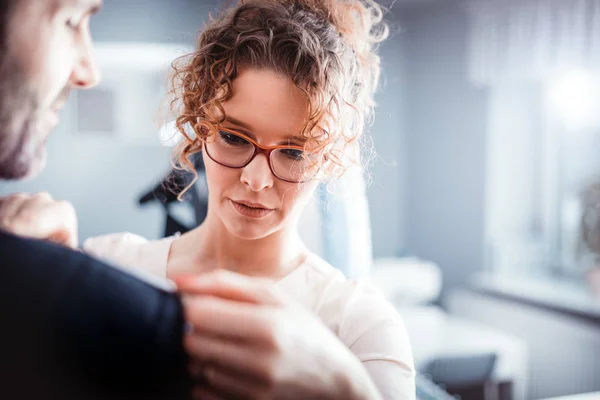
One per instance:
(247,341)
(39,216)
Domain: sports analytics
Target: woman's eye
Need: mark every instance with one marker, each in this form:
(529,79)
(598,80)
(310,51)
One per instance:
(232,139)
(293,154)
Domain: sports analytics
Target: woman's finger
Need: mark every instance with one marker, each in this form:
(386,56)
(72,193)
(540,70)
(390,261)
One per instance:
(65,225)
(9,209)
(232,319)
(201,392)
(39,217)
(54,221)
(230,383)
(41,198)
(234,356)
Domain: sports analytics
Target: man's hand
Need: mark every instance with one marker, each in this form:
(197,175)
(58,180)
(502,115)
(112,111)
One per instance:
(39,216)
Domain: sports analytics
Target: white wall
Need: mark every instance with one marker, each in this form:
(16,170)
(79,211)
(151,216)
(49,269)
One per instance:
(386,194)
(445,143)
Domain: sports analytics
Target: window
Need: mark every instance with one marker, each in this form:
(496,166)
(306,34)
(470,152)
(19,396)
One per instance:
(543,152)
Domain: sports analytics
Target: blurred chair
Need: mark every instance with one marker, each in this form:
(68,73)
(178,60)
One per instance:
(461,370)
(470,377)
(428,390)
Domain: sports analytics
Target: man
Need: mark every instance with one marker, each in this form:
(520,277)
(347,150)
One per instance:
(71,327)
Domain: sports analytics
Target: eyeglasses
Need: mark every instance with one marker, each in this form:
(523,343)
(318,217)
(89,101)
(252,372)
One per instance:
(236,150)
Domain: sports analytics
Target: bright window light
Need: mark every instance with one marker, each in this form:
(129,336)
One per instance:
(137,56)
(170,136)
(574,96)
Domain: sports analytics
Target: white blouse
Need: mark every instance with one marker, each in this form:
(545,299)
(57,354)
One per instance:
(356,312)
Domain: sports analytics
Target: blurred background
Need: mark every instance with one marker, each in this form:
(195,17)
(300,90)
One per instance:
(479,218)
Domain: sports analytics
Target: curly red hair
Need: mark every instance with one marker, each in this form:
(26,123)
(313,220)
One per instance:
(326,47)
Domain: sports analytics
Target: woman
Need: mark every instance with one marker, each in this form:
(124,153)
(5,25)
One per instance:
(277,95)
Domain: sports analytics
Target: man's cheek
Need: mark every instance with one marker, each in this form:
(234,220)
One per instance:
(56,78)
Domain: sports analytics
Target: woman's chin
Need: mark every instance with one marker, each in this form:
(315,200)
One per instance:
(249,233)
(248,230)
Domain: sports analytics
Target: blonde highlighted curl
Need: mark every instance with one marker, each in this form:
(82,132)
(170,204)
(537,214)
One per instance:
(326,47)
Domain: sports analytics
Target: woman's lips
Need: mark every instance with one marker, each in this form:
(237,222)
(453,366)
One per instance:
(251,212)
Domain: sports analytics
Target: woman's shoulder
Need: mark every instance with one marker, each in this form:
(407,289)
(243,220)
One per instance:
(355,291)
(358,312)
(131,251)
(310,281)
(116,246)
(340,302)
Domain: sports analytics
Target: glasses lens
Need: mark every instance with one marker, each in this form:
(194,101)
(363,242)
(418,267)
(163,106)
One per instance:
(293,164)
(230,149)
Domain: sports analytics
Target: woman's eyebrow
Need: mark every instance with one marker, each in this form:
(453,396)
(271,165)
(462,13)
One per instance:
(296,140)
(239,123)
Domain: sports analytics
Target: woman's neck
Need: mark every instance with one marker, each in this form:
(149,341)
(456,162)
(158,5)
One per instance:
(211,246)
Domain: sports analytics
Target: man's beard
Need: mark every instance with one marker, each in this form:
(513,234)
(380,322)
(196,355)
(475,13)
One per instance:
(22,152)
